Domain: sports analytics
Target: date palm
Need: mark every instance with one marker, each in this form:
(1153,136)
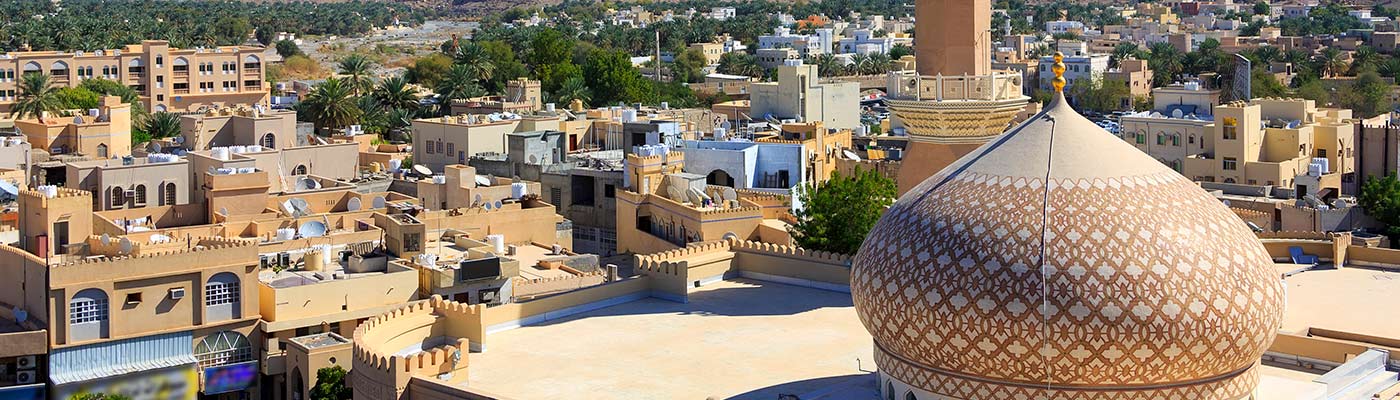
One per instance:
(395,94)
(356,69)
(162,125)
(332,105)
(458,83)
(573,89)
(1330,62)
(37,95)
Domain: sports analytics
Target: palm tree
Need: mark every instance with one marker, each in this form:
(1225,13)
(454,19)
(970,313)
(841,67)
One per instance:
(475,58)
(1166,63)
(573,89)
(356,68)
(860,63)
(1330,62)
(1122,51)
(457,83)
(395,94)
(36,96)
(332,105)
(162,125)
(1363,57)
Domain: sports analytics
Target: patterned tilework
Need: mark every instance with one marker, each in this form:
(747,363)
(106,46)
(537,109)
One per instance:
(1146,280)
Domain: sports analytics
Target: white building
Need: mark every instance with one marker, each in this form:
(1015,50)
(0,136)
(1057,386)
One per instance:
(862,43)
(1079,64)
(806,45)
(1058,27)
(721,13)
(797,95)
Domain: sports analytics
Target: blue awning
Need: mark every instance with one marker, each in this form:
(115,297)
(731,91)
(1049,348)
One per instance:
(102,360)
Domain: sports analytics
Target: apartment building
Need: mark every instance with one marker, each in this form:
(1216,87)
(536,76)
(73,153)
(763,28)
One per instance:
(799,95)
(817,43)
(1135,74)
(168,79)
(226,126)
(1286,143)
(99,133)
(1080,65)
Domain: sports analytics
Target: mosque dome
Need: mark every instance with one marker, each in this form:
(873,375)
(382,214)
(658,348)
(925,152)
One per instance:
(1059,262)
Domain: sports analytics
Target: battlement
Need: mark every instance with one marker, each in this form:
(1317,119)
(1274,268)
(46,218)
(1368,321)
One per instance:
(59,193)
(671,157)
(1304,235)
(112,250)
(790,251)
(687,251)
(434,361)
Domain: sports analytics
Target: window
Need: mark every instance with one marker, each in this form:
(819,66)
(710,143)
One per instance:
(451,148)
(101,150)
(1142,138)
(1321,153)
(118,195)
(1161,138)
(910,396)
(1230,131)
(220,293)
(160,61)
(269,140)
(411,242)
(133,298)
(223,348)
(169,194)
(299,170)
(140,196)
(609,191)
(1229,164)
(87,315)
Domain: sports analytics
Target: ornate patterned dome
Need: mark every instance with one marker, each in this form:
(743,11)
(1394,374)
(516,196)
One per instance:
(1058,262)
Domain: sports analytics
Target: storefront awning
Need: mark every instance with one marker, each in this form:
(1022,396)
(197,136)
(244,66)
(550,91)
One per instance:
(102,360)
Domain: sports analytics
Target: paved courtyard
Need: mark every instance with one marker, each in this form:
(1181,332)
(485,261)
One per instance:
(739,339)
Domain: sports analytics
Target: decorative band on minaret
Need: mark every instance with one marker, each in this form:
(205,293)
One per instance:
(1059,69)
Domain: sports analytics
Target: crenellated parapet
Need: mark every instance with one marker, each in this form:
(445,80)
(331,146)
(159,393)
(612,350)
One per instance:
(690,250)
(789,251)
(1300,235)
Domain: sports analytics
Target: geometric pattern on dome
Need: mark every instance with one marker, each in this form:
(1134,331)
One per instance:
(1239,386)
(1146,281)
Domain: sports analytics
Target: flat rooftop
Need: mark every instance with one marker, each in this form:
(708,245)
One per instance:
(1349,299)
(320,340)
(739,339)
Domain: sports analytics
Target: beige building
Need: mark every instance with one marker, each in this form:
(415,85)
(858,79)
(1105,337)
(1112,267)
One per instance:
(157,180)
(245,126)
(1135,74)
(168,79)
(799,95)
(712,51)
(522,96)
(438,142)
(1285,143)
(101,133)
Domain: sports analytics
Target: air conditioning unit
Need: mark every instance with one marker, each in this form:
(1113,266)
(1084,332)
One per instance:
(26,362)
(26,377)
(284,259)
(263,262)
(177,293)
(130,193)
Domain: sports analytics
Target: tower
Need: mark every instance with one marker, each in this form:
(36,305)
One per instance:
(955,103)
(953,37)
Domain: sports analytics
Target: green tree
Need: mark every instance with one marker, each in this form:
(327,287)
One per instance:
(1330,63)
(1314,91)
(1101,95)
(394,93)
(1261,8)
(287,48)
(1381,199)
(37,95)
(162,125)
(900,50)
(1368,96)
(78,98)
(356,69)
(331,385)
(836,215)
(1265,84)
(507,65)
(612,78)
(429,69)
(689,66)
(573,89)
(457,83)
(331,105)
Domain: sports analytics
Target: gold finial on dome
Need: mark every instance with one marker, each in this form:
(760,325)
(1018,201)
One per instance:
(1059,69)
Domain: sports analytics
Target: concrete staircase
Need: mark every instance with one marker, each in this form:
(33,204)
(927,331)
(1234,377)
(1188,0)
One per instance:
(1361,378)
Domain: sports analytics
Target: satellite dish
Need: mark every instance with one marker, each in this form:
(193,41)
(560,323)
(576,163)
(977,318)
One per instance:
(851,155)
(181,152)
(729,194)
(287,208)
(179,140)
(377,202)
(498,204)
(312,229)
(478,199)
(126,246)
(421,170)
(78,120)
(694,197)
(353,204)
(155,147)
(488,206)
(106,240)
(307,183)
(483,181)
(223,210)
(675,193)
(300,206)
(10,189)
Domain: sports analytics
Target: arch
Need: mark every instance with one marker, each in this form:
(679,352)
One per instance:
(102,150)
(251,59)
(1229,180)
(118,195)
(58,65)
(160,108)
(909,395)
(719,177)
(87,315)
(180,62)
(269,140)
(226,347)
(32,67)
(169,194)
(223,297)
(889,389)
(136,62)
(298,386)
(730,236)
(299,170)
(140,200)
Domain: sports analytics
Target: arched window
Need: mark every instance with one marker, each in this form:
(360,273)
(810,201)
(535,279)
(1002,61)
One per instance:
(889,390)
(222,348)
(101,150)
(299,170)
(140,200)
(222,297)
(160,108)
(59,69)
(269,140)
(181,65)
(33,67)
(169,195)
(118,195)
(910,396)
(252,63)
(87,315)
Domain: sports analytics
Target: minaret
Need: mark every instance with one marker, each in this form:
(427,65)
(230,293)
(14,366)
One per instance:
(953,37)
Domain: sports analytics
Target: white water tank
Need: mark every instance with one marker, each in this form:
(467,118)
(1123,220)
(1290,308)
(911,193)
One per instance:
(219,153)
(518,190)
(498,243)
(629,115)
(286,233)
(395,164)
(439,180)
(49,191)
